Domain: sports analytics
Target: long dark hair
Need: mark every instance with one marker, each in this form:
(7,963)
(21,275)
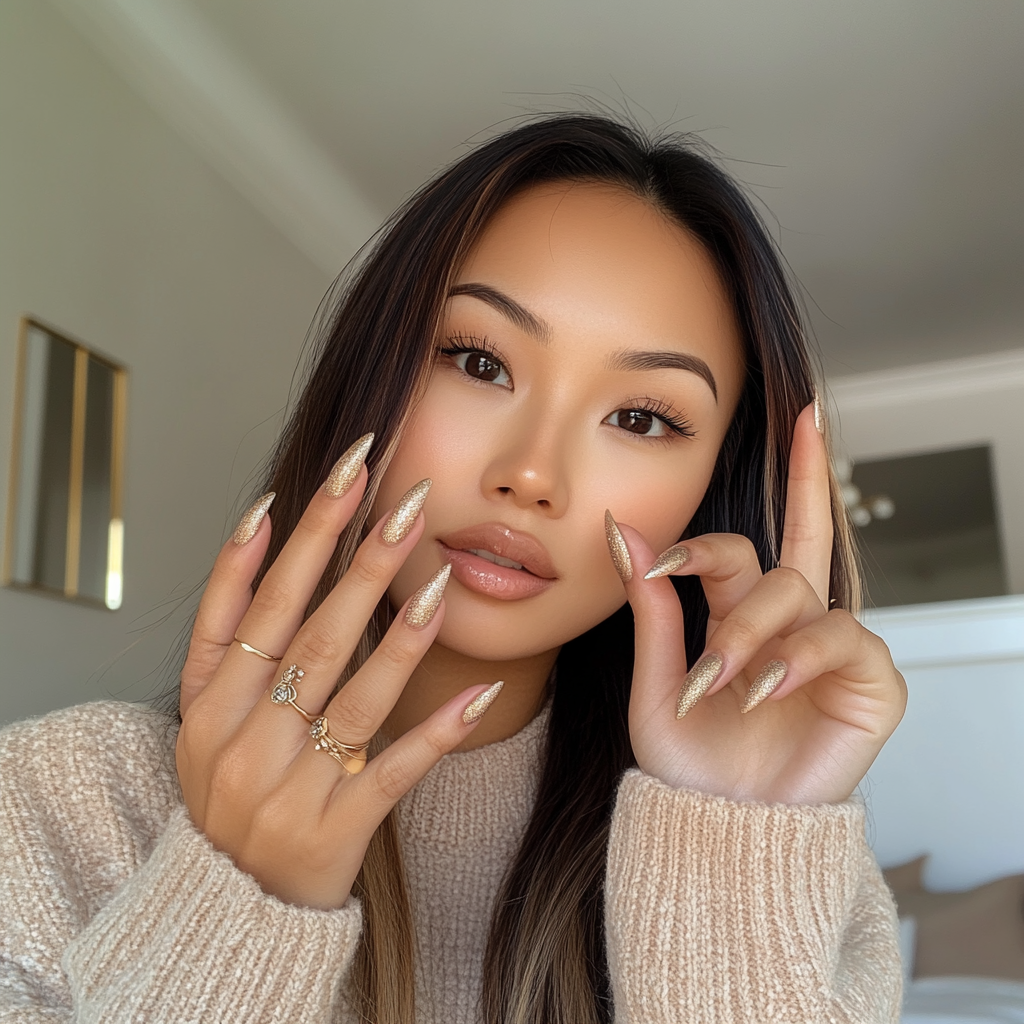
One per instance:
(545,961)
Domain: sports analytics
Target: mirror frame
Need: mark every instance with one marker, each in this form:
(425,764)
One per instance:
(83,353)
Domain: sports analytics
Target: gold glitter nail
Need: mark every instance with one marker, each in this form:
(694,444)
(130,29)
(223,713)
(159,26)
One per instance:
(477,707)
(617,546)
(668,561)
(819,416)
(346,469)
(401,520)
(766,683)
(425,601)
(697,682)
(250,522)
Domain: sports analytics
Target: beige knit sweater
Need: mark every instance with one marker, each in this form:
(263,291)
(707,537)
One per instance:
(114,908)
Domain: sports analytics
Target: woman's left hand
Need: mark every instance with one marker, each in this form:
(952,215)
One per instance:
(790,702)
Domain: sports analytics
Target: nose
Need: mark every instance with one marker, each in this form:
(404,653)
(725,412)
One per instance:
(529,470)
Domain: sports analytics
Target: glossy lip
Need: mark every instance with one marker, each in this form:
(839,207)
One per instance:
(498,581)
(502,540)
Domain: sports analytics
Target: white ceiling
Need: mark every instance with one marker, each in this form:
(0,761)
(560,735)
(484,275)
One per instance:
(886,137)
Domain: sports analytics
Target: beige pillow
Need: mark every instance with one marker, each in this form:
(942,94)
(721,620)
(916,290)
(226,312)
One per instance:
(978,932)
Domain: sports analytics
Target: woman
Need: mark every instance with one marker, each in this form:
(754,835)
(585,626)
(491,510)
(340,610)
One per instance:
(573,344)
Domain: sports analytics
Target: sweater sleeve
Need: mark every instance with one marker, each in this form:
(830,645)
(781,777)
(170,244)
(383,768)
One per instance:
(115,908)
(745,913)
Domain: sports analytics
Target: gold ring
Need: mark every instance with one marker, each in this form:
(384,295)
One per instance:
(254,650)
(285,693)
(352,758)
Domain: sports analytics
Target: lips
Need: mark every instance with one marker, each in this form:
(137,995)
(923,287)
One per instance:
(494,560)
(501,544)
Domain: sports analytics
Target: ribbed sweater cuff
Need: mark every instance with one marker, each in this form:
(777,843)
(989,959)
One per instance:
(190,937)
(719,910)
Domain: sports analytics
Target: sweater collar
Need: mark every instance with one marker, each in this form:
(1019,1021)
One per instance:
(474,798)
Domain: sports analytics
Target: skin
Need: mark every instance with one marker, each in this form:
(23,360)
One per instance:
(537,452)
(605,272)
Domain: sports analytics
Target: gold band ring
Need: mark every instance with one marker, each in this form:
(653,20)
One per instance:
(352,758)
(254,650)
(285,693)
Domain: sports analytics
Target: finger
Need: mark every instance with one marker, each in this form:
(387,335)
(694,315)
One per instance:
(326,640)
(362,704)
(393,772)
(280,602)
(726,563)
(860,661)
(807,531)
(366,700)
(226,597)
(780,603)
(660,658)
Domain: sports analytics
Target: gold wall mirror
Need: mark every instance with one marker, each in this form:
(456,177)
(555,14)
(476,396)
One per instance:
(65,528)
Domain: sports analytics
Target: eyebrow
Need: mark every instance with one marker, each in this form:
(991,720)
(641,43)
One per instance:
(631,359)
(508,307)
(627,359)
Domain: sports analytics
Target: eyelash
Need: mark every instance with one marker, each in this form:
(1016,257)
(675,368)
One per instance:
(459,344)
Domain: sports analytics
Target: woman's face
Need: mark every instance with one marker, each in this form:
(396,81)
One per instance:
(591,361)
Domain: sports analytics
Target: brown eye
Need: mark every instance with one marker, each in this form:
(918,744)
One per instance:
(637,421)
(482,366)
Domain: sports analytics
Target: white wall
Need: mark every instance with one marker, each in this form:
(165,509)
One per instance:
(950,782)
(114,230)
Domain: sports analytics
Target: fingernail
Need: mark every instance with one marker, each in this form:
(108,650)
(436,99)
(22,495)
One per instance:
(250,522)
(766,683)
(401,521)
(617,546)
(425,601)
(668,561)
(477,707)
(346,469)
(819,415)
(697,682)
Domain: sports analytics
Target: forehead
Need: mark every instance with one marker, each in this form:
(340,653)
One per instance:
(598,258)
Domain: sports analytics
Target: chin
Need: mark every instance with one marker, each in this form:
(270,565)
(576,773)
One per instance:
(496,635)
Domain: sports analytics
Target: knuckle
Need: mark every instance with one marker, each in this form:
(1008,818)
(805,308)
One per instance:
(739,547)
(274,593)
(228,773)
(392,778)
(791,580)
(395,653)
(315,642)
(742,633)
(366,571)
(356,713)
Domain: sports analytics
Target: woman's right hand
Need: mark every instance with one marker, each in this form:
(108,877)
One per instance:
(289,815)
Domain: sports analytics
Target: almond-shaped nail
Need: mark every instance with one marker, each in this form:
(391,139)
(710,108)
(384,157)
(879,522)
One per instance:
(697,682)
(617,547)
(819,415)
(425,601)
(250,522)
(479,705)
(767,682)
(346,469)
(401,520)
(668,561)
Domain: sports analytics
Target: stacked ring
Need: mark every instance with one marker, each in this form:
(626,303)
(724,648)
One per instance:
(285,693)
(352,758)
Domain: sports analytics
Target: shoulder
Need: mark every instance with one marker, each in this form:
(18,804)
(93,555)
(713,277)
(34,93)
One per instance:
(97,780)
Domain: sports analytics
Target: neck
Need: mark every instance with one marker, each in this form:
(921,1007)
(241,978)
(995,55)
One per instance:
(442,673)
